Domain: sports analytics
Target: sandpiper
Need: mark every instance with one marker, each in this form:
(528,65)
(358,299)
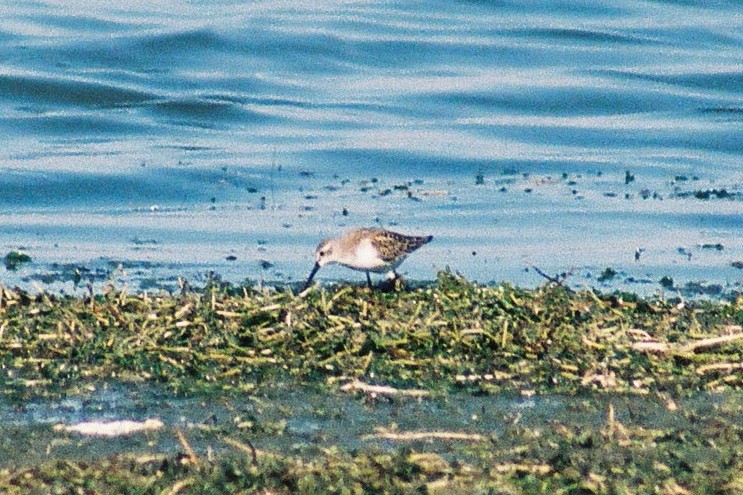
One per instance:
(367,250)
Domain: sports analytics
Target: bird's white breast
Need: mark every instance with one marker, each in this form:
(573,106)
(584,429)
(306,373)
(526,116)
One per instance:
(365,257)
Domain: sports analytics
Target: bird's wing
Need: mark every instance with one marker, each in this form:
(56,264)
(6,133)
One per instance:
(391,245)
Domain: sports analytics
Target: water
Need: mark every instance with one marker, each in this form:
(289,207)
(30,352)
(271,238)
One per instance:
(147,141)
(300,421)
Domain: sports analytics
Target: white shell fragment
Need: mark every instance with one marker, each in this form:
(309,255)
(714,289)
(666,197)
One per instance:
(111,428)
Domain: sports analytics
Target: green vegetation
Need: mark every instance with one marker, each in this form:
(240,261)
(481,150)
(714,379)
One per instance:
(608,274)
(446,339)
(560,460)
(447,336)
(14,259)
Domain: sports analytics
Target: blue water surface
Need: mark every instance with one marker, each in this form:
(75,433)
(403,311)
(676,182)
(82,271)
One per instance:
(150,140)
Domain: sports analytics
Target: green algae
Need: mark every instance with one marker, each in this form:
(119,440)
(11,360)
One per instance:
(14,259)
(445,339)
(699,453)
(446,336)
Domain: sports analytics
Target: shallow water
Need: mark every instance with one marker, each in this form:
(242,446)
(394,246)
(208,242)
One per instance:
(167,138)
(299,420)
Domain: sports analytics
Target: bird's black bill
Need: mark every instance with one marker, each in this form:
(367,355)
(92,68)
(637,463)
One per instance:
(312,275)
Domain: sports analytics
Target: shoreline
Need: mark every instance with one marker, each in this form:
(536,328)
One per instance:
(452,387)
(550,339)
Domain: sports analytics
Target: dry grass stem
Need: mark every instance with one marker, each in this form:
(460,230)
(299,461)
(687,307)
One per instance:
(411,436)
(382,389)
(192,457)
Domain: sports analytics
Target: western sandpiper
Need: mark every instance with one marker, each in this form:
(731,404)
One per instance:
(367,250)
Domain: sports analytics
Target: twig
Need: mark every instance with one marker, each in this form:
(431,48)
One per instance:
(718,367)
(711,342)
(522,468)
(614,429)
(187,447)
(552,279)
(659,347)
(382,389)
(409,436)
(246,447)
(663,348)
(180,486)
(610,421)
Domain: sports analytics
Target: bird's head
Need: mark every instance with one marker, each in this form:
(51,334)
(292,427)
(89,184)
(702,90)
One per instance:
(325,252)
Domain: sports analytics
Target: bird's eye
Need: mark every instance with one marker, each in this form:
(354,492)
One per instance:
(322,253)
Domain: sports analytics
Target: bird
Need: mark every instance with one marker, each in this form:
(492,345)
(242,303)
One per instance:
(367,250)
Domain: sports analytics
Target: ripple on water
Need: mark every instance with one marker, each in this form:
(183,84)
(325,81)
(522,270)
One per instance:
(162,119)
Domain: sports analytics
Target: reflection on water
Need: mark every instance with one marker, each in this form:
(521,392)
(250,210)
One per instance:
(564,134)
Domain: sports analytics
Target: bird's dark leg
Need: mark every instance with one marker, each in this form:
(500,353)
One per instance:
(368,281)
